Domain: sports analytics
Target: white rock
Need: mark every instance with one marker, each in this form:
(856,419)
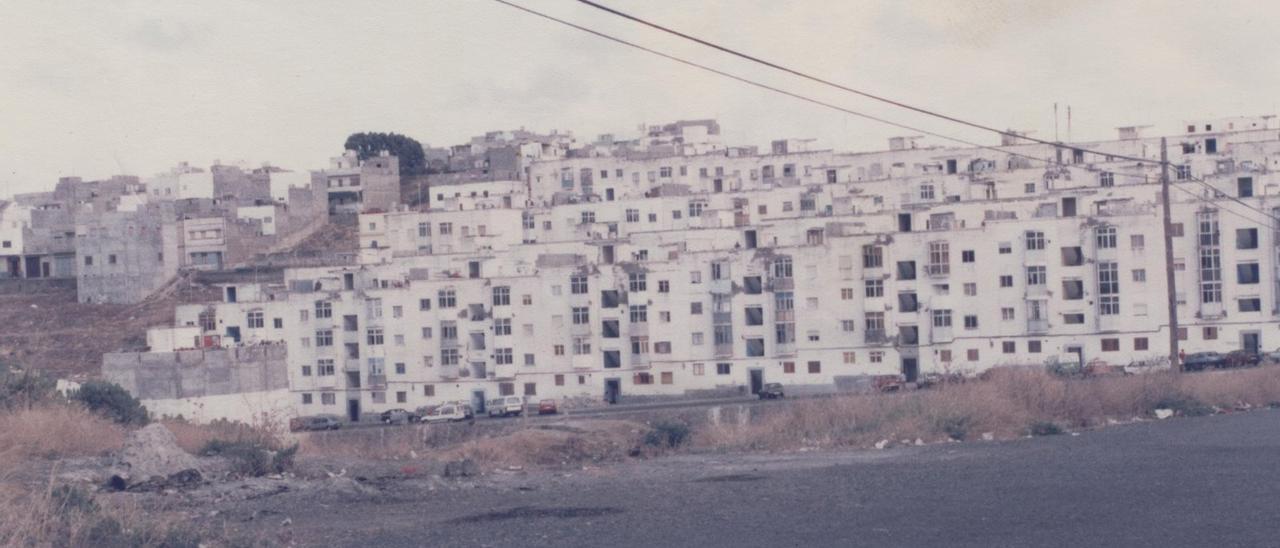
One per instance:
(988,436)
(1164,413)
(882,444)
(919,441)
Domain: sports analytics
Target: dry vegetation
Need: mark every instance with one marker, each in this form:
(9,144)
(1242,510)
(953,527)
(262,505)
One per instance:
(56,431)
(1010,403)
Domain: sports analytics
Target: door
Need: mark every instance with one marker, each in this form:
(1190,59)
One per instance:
(718,185)
(233,332)
(353,410)
(608,194)
(477,401)
(1079,352)
(757,380)
(750,237)
(1251,341)
(910,369)
(1068,207)
(231,294)
(612,390)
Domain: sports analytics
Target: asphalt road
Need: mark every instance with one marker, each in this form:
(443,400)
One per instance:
(1212,481)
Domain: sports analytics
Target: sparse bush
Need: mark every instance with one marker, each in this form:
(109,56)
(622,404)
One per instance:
(57,430)
(668,434)
(1184,405)
(23,389)
(1044,428)
(111,400)
(252,458)
(956,426)
(72,516)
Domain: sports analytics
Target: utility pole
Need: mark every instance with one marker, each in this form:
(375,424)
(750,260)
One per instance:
(1174,363)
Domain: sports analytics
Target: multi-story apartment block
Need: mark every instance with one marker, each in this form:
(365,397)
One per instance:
(608,273)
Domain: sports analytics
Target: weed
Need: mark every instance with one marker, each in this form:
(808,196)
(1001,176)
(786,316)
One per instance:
(1045,428)
(252,458)
(112,401)
(668,434)
(1184,405)
(956,426)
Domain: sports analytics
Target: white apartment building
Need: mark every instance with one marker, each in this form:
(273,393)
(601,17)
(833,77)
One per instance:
(607,277)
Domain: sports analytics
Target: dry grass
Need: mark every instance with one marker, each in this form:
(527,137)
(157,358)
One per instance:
(71,516)
(57,430)
(192,437)
(1005,405)
(516,445)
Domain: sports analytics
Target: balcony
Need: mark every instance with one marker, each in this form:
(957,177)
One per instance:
(639,361)
(377,382)
(721,318)
(1038,325)
(450,372)
(584,361)
(784,349)
(725,349)
(351,365)
(875,336)
(937,270)
(506,371)
(782,284)
(784,315)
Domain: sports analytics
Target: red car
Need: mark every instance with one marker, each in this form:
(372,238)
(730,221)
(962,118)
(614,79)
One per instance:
(547,407)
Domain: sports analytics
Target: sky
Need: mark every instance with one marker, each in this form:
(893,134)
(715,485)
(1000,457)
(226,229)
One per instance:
(93,89)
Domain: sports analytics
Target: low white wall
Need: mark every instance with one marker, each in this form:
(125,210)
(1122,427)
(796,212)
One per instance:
(258,408)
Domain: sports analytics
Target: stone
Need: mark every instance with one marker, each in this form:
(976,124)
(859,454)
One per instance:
(153,451)
(1164,413)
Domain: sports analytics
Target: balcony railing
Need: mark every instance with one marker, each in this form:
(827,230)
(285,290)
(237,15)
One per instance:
(875,336)
(938,270)
(1038,325)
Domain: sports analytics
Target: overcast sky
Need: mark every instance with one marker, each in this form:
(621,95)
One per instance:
(100,88)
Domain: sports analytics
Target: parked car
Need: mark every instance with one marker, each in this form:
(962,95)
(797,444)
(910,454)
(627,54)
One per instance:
(771,391)
(399,416)
(449,412)
(506,406)
(1272,356)
(1201,361)
(547,407)
(317,422)
(1241,358)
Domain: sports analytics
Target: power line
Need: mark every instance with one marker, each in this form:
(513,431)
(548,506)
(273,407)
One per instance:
(818,102)
(826,82)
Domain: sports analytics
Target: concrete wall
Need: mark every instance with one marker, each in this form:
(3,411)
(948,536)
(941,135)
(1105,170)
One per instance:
(266,408)
(194,374)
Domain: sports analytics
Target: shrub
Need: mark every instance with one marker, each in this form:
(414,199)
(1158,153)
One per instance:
(111,400)
(956,427)
(667,434)
(23,388)
(1184,405)
(1044,428)
(252,458)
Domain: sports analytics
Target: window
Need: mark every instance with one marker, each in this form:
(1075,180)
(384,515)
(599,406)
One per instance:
(587,217)
(581,315)
(724,368)
(1008,347)
(1210,333)
(324,309)
(782,267)
(697,338)
(1247,273)
(755,348)
(578,284)
(1139,275)
(970,322)
(449,356)
(971,354)
(850,357)
(941,318)
(1139,343)
(424,304)
(637,281)
(306,399)
(1035,240)
(503,356)
(1111,345)
(446,229)
(1006,280)
(906,270)
(1073,319)
(1036,275)
(874,288)
(328,398)
(815,367)
(1247,238)
(639,313)
(324,367)
(1029,188)
(1137,242)
(255,319)
(1108,289)
(501,295)
(446,298)
(967,256)
(633,216)
(754,315)
(1244,187)
(971,289)
(847,325)
(664,286)
(719,270)
(324,337)
(501,326)
(876,356)
(1105,237)
(1250,304)
(374,336)
(1007,314)
(872,256)
(1107,179)
(1004,248)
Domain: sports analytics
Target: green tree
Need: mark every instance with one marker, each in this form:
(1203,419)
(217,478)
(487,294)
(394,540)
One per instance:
(112,401)
(413,161)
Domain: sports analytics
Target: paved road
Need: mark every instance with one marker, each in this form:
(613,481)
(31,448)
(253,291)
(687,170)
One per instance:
(1212,481)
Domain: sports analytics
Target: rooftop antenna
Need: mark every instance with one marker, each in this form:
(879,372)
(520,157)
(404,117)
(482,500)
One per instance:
(1068,122)
(1055,121)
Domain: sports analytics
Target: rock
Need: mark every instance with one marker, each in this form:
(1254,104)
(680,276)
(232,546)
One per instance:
(882,444)
(286,522)
(919,441)
(988,436)
(1164,413)
(153,451)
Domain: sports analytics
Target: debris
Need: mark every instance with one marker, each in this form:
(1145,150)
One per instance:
(153,451)
(286,522)
(988,436)
(461,469)
(919,441)
(1164,413)
(882,444)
